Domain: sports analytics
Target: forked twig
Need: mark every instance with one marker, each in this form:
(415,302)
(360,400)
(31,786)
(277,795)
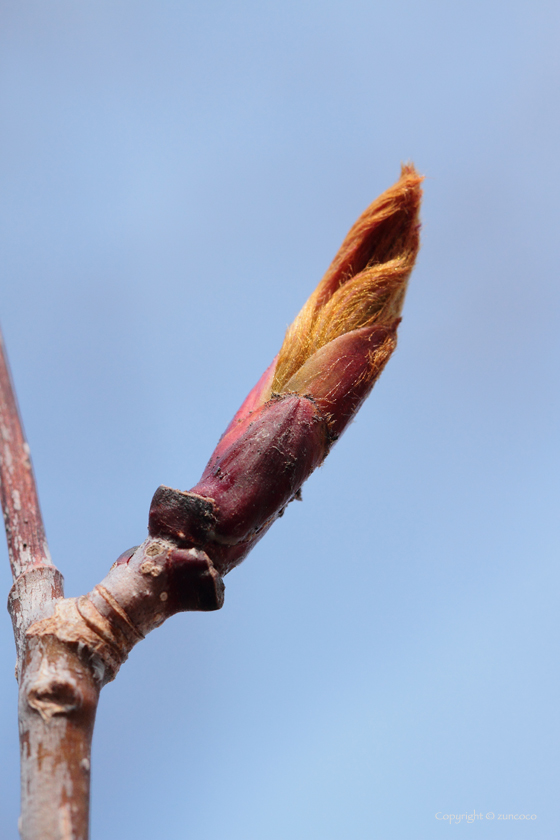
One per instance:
(68,648)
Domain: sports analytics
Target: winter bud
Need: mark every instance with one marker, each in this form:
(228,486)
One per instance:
(330,359)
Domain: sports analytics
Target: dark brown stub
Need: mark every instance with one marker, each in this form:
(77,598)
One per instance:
(185,518)
(194,583)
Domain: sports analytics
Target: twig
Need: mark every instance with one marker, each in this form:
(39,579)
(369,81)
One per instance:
(27,544)
(68,648)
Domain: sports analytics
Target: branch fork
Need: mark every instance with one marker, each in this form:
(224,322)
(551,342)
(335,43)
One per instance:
(69,648)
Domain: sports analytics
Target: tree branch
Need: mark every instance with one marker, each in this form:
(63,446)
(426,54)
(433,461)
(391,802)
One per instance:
(72,653)
(27,544)
(68,648)
(37,582)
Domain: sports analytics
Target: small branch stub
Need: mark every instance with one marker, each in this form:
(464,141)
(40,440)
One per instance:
(156,582)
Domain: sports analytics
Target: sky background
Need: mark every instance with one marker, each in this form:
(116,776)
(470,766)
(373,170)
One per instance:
(175,179)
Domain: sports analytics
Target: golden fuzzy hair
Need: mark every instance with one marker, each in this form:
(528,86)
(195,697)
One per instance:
(366,282)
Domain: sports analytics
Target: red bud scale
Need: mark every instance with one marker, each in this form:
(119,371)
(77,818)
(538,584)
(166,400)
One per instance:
(331,357)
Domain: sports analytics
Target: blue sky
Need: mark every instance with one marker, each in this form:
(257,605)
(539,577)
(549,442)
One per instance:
(176,178)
